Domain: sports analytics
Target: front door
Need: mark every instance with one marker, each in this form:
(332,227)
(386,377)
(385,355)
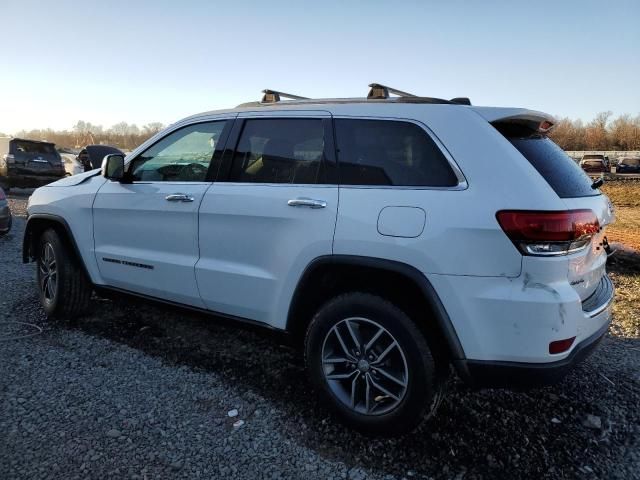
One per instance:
(146,231)
(271,212)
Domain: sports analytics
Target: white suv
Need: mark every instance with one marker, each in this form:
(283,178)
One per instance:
(391,237)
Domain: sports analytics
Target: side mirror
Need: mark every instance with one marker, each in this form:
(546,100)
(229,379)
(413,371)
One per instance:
(113,167)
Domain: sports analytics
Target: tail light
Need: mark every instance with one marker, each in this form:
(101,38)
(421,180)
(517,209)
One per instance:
(549,233)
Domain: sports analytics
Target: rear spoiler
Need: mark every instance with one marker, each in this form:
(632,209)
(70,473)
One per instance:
(537,121)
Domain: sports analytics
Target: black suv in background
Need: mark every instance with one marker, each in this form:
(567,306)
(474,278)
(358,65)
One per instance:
(91,156)
(28,163)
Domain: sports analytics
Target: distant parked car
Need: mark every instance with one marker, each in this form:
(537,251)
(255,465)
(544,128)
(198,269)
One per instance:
(71,164)
(28,163)
(5,214)
(595,163)
(629,165)
(91,156)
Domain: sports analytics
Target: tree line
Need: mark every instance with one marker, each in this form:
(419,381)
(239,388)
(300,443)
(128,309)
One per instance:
(122,135)
(601,133)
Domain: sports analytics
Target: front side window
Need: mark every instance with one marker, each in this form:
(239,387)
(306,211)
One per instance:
(181,156)
(279,150)
(388,152)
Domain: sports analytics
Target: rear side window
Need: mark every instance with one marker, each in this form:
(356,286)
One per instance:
(387,152)
(279,150)
(562,174)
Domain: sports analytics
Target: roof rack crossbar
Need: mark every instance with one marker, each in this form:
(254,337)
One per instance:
(379,91)
(273,96)
(461,101)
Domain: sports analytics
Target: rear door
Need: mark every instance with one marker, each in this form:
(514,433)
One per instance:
(146,231)
(271,212)
(35,158)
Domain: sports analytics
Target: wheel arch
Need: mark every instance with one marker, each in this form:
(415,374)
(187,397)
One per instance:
(38,223)
(330,275)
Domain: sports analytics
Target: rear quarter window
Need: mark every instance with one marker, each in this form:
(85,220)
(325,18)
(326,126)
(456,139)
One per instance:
(562,174)
(390,152)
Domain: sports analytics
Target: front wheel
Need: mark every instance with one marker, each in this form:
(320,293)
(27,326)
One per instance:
(371,364)
(63,286)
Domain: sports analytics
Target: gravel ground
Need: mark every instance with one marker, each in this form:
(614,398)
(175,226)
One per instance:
(142,391)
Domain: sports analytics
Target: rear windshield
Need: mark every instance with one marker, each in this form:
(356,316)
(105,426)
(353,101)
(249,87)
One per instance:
(24,146)
(592,163)
(630,161)
(592,157)
(562,174)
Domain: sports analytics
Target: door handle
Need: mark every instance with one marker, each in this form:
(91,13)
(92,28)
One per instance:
(306,202)
(179,197)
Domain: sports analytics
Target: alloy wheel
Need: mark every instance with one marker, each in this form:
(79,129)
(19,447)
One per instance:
(364,366)
(48,273)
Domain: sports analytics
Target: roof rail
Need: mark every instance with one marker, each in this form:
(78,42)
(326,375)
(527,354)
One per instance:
(273,96)
(379,91)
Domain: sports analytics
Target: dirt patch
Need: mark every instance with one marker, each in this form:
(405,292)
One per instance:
(625,196)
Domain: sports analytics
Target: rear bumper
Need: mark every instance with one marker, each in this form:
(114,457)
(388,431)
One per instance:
(506,325)
(490,374)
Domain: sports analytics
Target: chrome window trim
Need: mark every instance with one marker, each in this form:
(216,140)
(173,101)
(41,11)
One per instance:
(160,182)
(282,185)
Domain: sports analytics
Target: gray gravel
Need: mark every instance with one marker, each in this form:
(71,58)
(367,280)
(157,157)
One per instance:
(143,391)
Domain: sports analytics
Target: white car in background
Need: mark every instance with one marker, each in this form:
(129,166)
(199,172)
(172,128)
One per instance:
(391,238)
(71,164)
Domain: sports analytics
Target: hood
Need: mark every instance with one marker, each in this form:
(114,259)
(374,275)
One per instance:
(75,179)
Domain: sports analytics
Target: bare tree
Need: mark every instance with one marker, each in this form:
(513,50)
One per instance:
(152,128)
(601,133)
(596,132)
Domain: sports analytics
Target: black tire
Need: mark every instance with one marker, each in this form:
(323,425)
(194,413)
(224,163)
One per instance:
(423,385)
(68,296)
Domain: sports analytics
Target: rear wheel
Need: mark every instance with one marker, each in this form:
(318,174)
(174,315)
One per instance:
(372,364)
(63,287)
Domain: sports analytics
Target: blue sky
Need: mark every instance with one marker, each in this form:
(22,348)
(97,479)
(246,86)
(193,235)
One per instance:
(159,60)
